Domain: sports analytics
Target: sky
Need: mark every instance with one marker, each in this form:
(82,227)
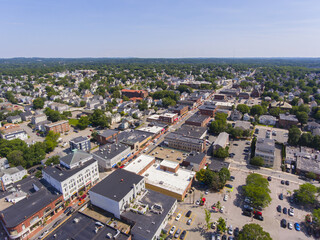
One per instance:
(159,28)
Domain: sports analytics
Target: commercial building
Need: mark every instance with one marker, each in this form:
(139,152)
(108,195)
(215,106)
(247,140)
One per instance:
(192,131)
(80,143)
(287,120)
(208,110)
(58,127)
(140,164)
(196,160)
(168,178)
(110,154)
(221,142)
(8,176)
(75,174)
(265,148)
(220,97)
(307,161)
(198,120)
(168,117)
(224,105)
(27,217)
(180,109)
(152,129)
(14,133)
(134,138)
(178,141)
(106,136)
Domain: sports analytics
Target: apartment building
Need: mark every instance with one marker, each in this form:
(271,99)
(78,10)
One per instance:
(58,127)
(265,148)
(80,143)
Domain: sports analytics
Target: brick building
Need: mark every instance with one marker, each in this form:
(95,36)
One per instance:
(198,120)
(180,109)
(208,110)
(58,127)
(134,93)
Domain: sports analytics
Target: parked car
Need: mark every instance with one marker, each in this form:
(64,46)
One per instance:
(189,221)
(43,234)
(172,229)
(224,237)
(285,210)
(183,234)
(287,183)
(269,178)
(297,226)
(222,209)
(236,232)
(248,208)
(70,212)
(176,235)
(282,182)
(178,217)
(257,213)
(281,196)
(197,202)
(232,178)
(283,223)
(290,226)
(225,198)
(291,211)
(56,223)
(206,192)
(189,213)
(247,213)
(67,210)
(258,217)
(279,208)
(247,200)
(230,230)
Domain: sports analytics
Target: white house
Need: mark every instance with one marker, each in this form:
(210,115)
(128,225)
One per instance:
(11,175)
(267,120)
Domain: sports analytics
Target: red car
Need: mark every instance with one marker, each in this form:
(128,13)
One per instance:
(83,196)
(257,213)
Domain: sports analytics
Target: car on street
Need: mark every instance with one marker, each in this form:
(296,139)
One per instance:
(56,223)
(189,213)
(189,221)
(68,209)
(183,234)
(287,183)
(172,229)
(282,182)
(269,178)
(281,196)
(285,210)
(230,230)
(297,226)
(178,217)
(279,208)
(290,226)
(43,234)
(283,223)
(176,235)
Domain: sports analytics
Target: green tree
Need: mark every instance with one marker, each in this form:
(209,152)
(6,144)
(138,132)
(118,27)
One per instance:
(306,194)
(10,97)
(143,105)
(52,115)
(302,117)
(38,174)
(253,231)
(311,175)
(207,218)
(166,102)
(243,108)
(221,152)
(275,112)
(257,161)
(306,139)
(256,110)
(82,103)
(224,175)
(38,103)
(116,94)
(184,88)
(316,217)
(83,122)
(98,118)
(294,135)
(15,158)
(222,227)
(53,160)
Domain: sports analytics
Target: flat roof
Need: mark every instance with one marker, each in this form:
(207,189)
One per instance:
(151,129)
(109,151)
(79,139)
(139,163)
(133,136)
(82,227)
(178,137)
(146,225)
(195,157)
(197,118)
(192,131)
(117,184)
(169,164)
(174,182)
(108,133)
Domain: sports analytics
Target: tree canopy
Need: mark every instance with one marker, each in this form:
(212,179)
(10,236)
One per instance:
(253,231)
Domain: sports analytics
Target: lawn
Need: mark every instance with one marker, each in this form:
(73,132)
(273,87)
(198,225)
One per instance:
(73,122)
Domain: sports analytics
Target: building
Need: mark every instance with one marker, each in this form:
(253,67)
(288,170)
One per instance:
(168,117)
(75,174)
(109,155)
(180,109)
(196,160)
(105,137)
(256,93)
(134,93)
(208,110)
(243,125)
(307,160)
(220,97)
(287,120)
(8,176)
(134,138)
(14,133)
(168,178)
(114,193)
(26,116)
(198,120)
(244,95)
(140,164)
(58,127)
(265,148)
(14,119)
(27,217)
(217,165)
(80,143)
(221,142)
(38,118)
(267,120)
(192,131)
(236,115)
(178,141)
(230,92)
(4,163)
(281,105)
(82,227)
(224,105)
(154,129)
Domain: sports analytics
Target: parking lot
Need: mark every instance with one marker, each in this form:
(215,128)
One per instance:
(241,150)
(233,211)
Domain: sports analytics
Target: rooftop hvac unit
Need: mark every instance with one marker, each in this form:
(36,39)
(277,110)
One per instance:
(161,182)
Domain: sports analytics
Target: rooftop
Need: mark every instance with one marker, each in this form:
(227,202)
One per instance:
(222,139)
(151,129)
(109,151)
(108,133)
(217,165)
(139,163)
(169,164)
(195,157)
(79,139)
(288,117)
(197,118)
(11,170)
(174,182)
(192,131)
(75,157)
(178,137)
(117,184)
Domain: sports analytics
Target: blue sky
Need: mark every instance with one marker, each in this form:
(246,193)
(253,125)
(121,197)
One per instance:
(159,28)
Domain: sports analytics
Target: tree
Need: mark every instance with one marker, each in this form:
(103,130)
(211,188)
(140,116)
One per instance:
(221,152)
(98,118)
(316,217)
(53,160)
(302,117)
(253,231)
(51,141)
(166,102)
(311,175)
(243,108)
(306,194)
(221,225)
(52,115)
(143,105)
(83,122)
(207,217)
(38,103)
(82,103)
(257,161)
(15,158)
(184,88)
(38,174)
(116,94)
(256,110)
(306,139)
(224,175)
(294,135)
(275,112)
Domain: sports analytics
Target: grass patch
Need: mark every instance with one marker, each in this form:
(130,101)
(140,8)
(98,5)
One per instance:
(73,122)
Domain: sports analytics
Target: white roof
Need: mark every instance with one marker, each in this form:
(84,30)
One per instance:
(174,182)
(153,129)
(169,164)
(139,163)
(169,114)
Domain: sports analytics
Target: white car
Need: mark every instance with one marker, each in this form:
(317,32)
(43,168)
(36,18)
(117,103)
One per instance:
(206,192)
(197,202)
(43,234)
(230,230)
(172,229)
(178,217)
(225,198)
(291,212)
(222,209)
(290,226)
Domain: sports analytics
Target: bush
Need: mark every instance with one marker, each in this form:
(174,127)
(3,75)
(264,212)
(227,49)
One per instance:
(257,161)
(221,152)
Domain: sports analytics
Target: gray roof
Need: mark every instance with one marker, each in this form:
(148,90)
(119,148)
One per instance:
(132,137)
(60,173)
(17,213)
(288,117)
(11,170)
(198,118)
(76,156)
(208,107)
(195,157)
(79,139)
(191,131)
(265,143)
(216,165)
(84,229)
(222,139)
(109,151)
(242,124)
(176,136)
(117,184)
(147,224)
(108,133)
